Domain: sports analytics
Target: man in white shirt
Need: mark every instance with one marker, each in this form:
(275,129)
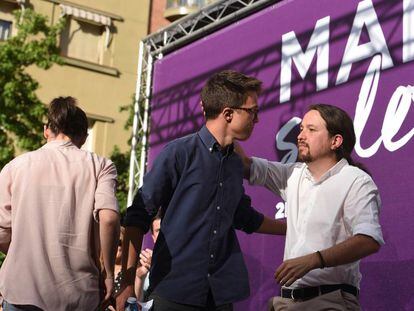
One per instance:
(332,214)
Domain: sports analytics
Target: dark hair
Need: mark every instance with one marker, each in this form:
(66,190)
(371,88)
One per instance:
(339,122)
(64,116)
(227,88)
(156,217)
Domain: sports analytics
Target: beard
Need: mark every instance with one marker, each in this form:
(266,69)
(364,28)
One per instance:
(305,155)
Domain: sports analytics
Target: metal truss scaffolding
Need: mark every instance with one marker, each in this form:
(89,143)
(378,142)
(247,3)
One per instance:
(184,31)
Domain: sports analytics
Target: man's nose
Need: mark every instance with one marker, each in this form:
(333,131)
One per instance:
(301,136)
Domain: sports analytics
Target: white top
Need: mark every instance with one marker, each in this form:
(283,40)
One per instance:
(343,203)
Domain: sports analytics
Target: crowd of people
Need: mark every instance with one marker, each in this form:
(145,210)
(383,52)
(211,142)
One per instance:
(60,223)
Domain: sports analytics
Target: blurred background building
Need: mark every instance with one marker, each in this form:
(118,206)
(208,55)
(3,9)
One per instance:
(163,12)
(99,47)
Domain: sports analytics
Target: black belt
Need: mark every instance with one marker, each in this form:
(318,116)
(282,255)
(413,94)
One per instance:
(306,293)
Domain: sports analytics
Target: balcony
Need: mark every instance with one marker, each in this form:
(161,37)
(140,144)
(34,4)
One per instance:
(179,8)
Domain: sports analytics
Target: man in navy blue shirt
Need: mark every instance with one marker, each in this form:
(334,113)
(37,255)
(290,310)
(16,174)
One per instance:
(197,181)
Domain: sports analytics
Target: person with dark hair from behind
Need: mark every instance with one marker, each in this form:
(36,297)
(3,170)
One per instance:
(332,210)
(197,181)
(57,212)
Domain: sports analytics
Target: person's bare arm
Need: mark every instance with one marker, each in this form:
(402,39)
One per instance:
(145,258)
(350,250)
(130,248)
(272,226)
(109,236)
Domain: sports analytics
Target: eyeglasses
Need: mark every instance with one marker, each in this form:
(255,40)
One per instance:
(253,111)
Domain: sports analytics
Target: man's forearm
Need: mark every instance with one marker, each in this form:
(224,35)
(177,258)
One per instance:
(138,287)
(350,250)
(353,249)
(130,249)
(272,226)
(109,236)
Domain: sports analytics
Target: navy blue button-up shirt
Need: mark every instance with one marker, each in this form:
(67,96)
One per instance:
(199,186)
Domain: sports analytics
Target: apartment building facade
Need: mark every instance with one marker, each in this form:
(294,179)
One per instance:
(99,47)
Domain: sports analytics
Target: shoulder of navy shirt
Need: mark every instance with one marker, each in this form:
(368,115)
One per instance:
(199,188)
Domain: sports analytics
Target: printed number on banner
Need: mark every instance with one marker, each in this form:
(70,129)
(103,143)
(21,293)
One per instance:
(280,210)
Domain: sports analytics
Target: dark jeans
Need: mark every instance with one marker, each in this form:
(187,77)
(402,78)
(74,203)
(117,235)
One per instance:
(161,304)
(9,307)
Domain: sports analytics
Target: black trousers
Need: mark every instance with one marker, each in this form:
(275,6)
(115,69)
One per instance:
(161,304)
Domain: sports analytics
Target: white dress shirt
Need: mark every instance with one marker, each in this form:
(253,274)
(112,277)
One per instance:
(343,203)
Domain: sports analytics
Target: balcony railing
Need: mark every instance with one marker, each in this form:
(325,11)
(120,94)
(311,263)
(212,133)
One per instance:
(179,8)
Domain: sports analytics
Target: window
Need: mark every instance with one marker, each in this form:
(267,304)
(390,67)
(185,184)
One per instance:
(5,29)
(83,41)
(87,34)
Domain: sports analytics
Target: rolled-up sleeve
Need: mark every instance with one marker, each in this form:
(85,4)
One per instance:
(5,206)
(246,217)
(258,171)
(361,210)
(106,188)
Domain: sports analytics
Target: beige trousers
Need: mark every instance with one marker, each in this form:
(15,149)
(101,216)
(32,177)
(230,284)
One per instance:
(337,300)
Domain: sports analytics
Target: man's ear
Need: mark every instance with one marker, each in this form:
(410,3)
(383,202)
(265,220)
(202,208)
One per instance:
(46,132)
(202,108)
(228,114)
(337,141)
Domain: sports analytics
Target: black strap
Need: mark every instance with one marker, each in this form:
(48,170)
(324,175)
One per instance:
(306,293)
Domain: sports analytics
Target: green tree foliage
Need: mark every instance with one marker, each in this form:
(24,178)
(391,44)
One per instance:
(21,111)
(121,160)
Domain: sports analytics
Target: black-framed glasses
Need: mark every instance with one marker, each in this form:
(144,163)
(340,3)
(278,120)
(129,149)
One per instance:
(253,111)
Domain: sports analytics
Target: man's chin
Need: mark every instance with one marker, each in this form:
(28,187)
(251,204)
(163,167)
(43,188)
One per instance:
(305,158)
(244,137)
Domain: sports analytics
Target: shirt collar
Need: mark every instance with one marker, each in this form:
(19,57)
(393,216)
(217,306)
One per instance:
(58,143)
(332,171)
(210,142)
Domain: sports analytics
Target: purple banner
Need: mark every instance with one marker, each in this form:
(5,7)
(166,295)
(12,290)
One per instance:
(357,55)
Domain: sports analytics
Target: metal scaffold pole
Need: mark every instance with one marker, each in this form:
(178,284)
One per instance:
(140,123)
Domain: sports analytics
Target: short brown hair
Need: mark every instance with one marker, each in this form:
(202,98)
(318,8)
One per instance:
(64,116)
(227,88)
